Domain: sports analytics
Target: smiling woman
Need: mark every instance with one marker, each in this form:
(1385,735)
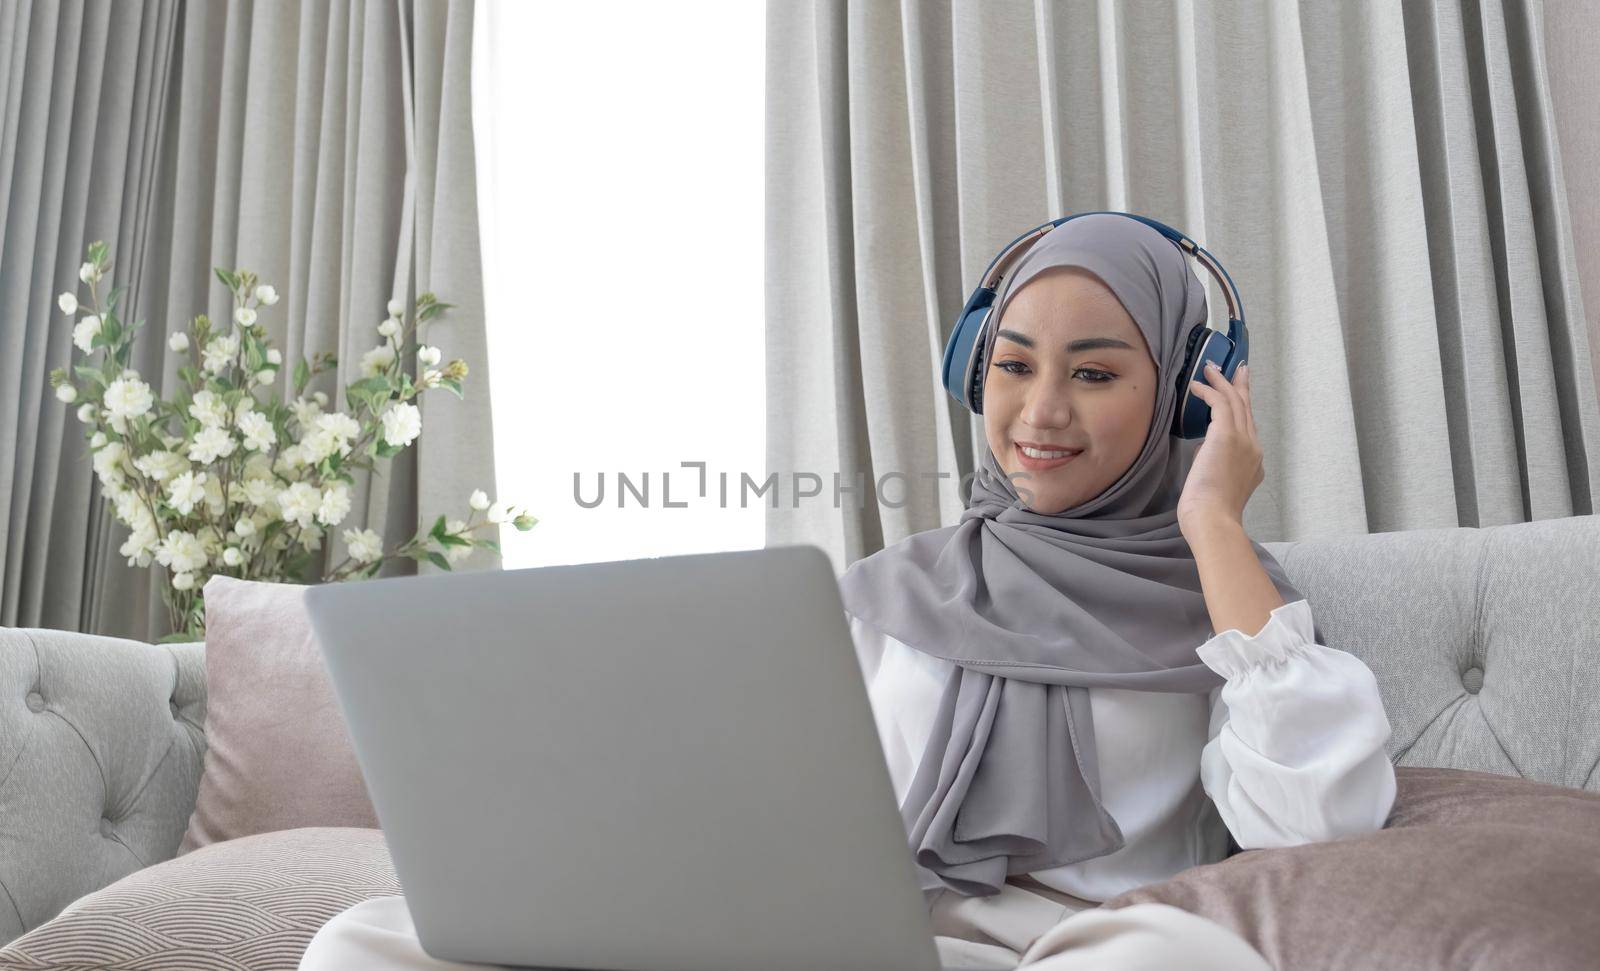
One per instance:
(1071,373)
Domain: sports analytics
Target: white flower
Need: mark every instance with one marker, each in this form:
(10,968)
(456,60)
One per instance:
(266,294)
(179,341)
(479,500)
(305,412)
(68,302)
(211,443)
(455,554)
(274,356)
(208,408)
(260,492)
(66,393)
(245,527)
(87,273)
(97,439)
(161,465)
(430,377)
(186,490)
(259,435)
(219,353)
(377,360)
(299,503)
(429,356)
(396,308)
(86,412)
(215,507)
(266,375)
(340,427)
(244,316)
(389,327)
(84,334)
(321,398)
(498,512)
(108,462)
(183,581)
(140,545)
(365,545)
(128,398)
(402,423)
(335,504)
(232,556)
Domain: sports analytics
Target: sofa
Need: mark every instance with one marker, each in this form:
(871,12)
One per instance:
(1485,644)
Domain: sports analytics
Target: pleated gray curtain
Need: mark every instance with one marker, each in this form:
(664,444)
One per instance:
(328,147)
(1382,181)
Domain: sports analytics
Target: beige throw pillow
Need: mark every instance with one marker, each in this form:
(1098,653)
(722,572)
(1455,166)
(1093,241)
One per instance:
(277,752)
(1472,870)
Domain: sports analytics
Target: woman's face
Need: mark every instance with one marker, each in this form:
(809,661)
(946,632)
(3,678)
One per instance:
(1070,371)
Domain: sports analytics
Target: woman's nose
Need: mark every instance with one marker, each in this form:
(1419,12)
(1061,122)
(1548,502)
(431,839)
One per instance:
(1045,409)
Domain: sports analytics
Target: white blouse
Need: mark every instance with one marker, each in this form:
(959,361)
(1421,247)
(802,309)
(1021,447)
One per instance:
(1289,750)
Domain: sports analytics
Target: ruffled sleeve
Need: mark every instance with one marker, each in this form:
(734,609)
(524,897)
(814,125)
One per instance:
(1296,744)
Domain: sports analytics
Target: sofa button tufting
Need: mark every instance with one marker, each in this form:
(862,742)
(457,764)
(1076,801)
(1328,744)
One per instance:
(1472,680)
(105,827)
(35,701)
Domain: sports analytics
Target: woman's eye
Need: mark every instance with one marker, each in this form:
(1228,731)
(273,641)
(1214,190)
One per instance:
(1094,375)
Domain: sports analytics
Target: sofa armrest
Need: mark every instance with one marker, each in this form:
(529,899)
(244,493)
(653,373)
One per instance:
(101,741)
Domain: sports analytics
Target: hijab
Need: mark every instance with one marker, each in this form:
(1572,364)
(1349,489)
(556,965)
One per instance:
(1035,609)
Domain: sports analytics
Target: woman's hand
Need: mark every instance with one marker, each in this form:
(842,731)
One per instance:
(1228,467)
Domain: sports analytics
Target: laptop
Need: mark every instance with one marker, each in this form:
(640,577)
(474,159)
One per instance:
(664,764)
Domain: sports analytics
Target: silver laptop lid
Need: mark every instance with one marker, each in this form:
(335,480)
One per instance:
(663,764)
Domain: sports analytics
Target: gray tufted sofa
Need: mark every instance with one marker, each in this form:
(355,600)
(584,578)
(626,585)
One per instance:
(1485,642)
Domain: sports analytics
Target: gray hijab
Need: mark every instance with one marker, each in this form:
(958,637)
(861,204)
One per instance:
(1035,609)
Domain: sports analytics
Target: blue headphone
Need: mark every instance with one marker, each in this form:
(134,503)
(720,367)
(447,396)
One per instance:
(962,370)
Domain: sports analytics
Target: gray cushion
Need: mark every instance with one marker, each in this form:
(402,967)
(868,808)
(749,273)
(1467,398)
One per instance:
(1485,642)
(249,904)
(100,749)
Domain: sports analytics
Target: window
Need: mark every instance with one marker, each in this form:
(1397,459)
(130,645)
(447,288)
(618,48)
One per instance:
(620,168)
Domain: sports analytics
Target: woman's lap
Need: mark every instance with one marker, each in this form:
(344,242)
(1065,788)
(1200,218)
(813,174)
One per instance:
(1024,926)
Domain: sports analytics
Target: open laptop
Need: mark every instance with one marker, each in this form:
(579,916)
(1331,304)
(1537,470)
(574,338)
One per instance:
(663,764)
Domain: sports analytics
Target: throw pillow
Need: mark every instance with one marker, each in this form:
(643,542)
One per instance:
(278,755)
(251,904)
(1471,870)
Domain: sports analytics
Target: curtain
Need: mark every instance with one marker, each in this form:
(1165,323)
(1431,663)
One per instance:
(1382,181)
(327,147)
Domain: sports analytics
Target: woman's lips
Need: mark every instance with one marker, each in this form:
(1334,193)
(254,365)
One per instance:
(1040,465)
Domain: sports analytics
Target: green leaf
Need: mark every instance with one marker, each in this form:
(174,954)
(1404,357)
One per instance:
(383,449)
(302,374)
(427,313)
(438,560)
(452,385)
(437,532)
(180,637)
(229,280)
(451,539)
(489,544)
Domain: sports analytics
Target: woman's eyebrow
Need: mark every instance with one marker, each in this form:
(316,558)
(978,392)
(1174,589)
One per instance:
(1073,347)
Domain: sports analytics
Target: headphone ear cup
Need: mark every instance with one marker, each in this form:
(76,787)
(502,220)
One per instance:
(962,368)
(1192,416)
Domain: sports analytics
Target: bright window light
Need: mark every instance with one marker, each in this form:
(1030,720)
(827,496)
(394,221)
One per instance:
(620,166)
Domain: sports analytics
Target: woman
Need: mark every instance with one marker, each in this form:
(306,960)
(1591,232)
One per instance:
(1036,669)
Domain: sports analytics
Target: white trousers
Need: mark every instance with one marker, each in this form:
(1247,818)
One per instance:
(1025,925)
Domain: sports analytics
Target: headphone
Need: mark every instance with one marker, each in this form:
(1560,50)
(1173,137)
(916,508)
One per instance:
(962,370)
